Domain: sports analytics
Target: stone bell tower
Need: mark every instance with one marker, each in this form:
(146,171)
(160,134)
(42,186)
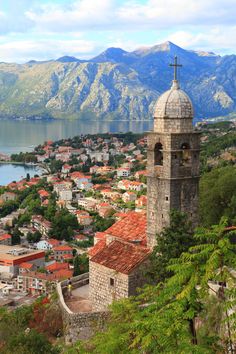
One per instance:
(172,161)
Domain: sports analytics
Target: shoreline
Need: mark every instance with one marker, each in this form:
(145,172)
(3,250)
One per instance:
(19,163)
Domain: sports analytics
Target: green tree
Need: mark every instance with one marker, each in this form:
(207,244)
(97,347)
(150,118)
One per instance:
(218,195)
(162,318)
(29,343)
(171,242)
(81,264)
(34,237)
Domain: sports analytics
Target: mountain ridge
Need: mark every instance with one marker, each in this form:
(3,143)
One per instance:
(117,84)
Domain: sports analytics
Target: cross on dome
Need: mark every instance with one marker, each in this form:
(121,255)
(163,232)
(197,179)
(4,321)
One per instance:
(175,66)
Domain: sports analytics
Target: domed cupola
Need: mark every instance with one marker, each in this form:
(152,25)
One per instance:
(174,109)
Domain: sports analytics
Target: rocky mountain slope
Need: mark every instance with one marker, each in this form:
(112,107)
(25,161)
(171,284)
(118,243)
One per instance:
(117,84)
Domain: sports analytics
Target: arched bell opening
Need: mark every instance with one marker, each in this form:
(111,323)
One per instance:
(158,155)
(185,158)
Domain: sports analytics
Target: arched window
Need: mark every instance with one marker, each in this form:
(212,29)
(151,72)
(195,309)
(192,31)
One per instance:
(158,155)
(185,155)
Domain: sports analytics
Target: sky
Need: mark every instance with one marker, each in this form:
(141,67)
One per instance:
(48,29)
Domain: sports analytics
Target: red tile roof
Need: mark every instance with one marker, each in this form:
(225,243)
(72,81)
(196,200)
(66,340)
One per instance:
(53,242)
(5,237)
(62,248)
(43,193)
(97,248)
(130,228)
(57,266)
(121,256)
(26,265)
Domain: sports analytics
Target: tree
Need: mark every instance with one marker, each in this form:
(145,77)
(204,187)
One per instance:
(171,242)
(34,237)
(161,319)
(16,236)
(218,195)
(81,264)
(29,343)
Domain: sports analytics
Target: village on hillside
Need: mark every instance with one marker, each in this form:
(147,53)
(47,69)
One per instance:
(48,223)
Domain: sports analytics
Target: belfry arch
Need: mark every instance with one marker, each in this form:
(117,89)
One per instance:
(158,154)
(185,158)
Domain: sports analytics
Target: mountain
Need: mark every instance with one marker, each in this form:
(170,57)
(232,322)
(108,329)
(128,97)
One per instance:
(117,84)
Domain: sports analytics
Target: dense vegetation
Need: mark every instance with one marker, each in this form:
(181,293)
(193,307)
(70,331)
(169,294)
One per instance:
(177,315)
(29,329)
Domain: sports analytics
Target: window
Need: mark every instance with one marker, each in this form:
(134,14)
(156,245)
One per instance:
(158,155)
(185,155)
(112,282)
(167,198)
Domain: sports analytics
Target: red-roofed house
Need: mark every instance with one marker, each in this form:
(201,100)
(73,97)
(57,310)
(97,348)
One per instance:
(117,260)
(141,202)
(37,283)
(104,210)
(61,251)
(5,239)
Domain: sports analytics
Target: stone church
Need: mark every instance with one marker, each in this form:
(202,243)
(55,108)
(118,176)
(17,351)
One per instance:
(121,252)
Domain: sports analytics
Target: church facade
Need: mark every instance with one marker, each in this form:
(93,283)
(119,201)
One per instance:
(121,254)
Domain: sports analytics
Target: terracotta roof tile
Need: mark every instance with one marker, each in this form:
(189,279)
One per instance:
(97,248)
(121,256)
(130,228)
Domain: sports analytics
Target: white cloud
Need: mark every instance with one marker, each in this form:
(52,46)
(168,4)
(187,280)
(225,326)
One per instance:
(218,39)
(154,14)
(23,50)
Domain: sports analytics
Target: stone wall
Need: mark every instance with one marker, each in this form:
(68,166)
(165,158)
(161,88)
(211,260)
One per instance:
(101,290)
(173,184)
(107,285)
(79,326)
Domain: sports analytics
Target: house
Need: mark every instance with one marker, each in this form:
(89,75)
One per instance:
(141,202)
(65,195)
(79,178)
(129,197)
(85,186)
(99,156)
(41,224)
(7,196)
(93,169)
(47,244)
(88,203)
(61,185)
(26,267)
(43,194)
(139,174)
(56,266)
(65,168)
(62,252)
(11,257)
(123,172)
(37,283)
(104,210)
(83,217)
(64,156)
(117,261)
(130,185)
(5,239)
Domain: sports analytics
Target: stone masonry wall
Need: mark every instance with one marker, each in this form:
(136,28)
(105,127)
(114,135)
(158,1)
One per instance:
(174,184)
(101,292)
(79,326)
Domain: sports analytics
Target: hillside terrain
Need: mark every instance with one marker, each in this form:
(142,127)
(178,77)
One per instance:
(116,84)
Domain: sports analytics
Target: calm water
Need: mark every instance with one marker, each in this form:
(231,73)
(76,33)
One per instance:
(16,136)
(9,173)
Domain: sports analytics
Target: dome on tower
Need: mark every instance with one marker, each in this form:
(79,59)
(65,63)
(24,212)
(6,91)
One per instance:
(174,103)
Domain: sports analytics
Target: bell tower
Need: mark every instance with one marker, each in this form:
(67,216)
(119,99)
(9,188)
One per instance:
(172,160)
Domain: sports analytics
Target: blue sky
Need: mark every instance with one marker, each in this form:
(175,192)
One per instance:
(46,29)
